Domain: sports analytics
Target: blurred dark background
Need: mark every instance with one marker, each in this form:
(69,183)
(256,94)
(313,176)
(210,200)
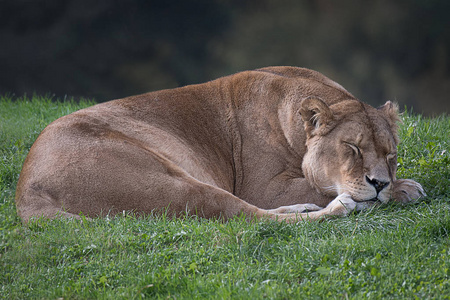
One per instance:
(379,50)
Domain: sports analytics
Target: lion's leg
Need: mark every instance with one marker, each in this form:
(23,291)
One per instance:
(208,201)
(221,203)
(296,208)
(342,205)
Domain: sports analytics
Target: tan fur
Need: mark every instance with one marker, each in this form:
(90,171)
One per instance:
(274,142)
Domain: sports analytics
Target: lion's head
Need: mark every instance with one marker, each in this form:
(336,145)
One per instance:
(351,148)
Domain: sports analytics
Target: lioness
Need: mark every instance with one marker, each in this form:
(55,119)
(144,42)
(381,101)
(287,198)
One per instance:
(278,142)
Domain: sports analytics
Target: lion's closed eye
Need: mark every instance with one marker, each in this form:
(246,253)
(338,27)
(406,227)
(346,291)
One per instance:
(356,149)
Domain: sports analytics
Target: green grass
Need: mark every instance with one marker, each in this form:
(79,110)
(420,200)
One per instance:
(393,251)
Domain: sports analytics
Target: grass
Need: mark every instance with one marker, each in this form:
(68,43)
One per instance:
(390,252)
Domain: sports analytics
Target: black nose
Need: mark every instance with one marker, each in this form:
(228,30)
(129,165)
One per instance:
(378,185)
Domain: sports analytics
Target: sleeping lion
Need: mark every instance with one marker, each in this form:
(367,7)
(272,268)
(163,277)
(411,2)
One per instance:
(281,142)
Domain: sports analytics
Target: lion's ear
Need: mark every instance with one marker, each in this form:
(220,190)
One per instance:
(391,110)
(317,116)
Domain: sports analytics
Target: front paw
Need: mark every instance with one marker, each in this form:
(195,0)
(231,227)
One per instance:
(341,206)
(407,190)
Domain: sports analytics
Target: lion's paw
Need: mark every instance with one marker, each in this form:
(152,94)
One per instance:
(407,190)
(296,208)
(342,205)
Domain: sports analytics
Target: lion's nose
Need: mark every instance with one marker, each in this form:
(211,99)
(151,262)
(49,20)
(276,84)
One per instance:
(377,184)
